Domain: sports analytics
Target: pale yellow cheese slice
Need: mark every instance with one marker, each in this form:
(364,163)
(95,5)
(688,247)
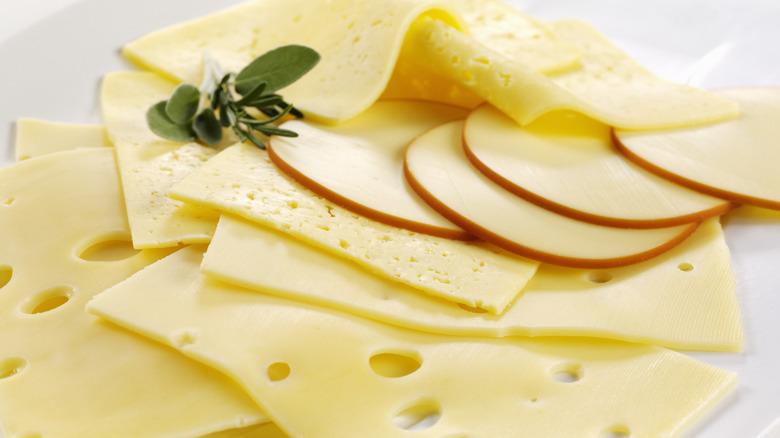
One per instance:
(36,137)
(494,24)
(358,44)
(359,164)
(242,180)
(149,165)
(610,87)
(65,373)
(683,299)
(736,160)
(439,171)
(329,374)
(567,163)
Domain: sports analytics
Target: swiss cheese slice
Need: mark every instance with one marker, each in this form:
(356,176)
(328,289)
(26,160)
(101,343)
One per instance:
(242,180)
(735,160)
(359,46)
(567,163)
(36,137)
(439,171)
(494,24)
(610,87)
(329,374)
(683,299)
(149,165)
(65,373)
(359,164)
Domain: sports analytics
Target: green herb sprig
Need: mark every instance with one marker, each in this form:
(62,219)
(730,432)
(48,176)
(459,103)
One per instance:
(224,100)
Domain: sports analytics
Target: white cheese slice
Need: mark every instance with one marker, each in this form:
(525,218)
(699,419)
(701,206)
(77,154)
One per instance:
(735,160)
(439,171)
(359,164)
(610,87)
(65,373)
(358,44)
(329,374)
(242,180)
(683,299)
(567,163)
(149,165)
(36,137)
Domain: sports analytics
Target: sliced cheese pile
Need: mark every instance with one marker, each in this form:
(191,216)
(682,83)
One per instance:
(242,180)
(328,374)
(439,171)
(567,163)
(63,372)
(609,87)
(150,165)
(685,298)
(735,160)
(40,137)
(365,155)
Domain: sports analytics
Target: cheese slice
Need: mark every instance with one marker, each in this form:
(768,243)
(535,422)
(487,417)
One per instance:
(610,87)
(359,46)
(65,373)
(567,163)
(149,165)
(365,163)
(494,24)
(328,374)
(683,299)
(36,137)
(439,171)
(242,180)
(735,160)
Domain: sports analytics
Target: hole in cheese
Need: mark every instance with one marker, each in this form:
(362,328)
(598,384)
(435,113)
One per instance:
(685,267)
(599,277)
(6,272)
(11,366)
(278,371)
(419,416)
(108,248)
(618,431)
(567,373)
(185,339)
(47,300)
(471,309)
(394,365)
(9,201)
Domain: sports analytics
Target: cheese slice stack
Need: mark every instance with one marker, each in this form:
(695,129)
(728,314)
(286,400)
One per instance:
(243,181)
(327,374)
(65,373)
(149,165)
(683,299)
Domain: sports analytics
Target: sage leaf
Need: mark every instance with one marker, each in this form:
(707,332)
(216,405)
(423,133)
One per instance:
(183,104)
(162,125)
(278,68)
(207,127)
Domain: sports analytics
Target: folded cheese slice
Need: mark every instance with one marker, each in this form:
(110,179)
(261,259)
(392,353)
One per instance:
(36,137)
(65,373)
(328,374)
(610,87)
(149,165)
(242,180)
(683,299)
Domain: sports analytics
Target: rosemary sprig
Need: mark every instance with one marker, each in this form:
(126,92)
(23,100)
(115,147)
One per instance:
(228,100)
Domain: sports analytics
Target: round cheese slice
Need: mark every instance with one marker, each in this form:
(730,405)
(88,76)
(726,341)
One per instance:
(736,160)
(359,164)
(567,163)
(437,168)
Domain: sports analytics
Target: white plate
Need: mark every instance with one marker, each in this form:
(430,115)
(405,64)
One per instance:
(52,69)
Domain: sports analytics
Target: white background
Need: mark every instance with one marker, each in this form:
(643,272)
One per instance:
(54,52)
